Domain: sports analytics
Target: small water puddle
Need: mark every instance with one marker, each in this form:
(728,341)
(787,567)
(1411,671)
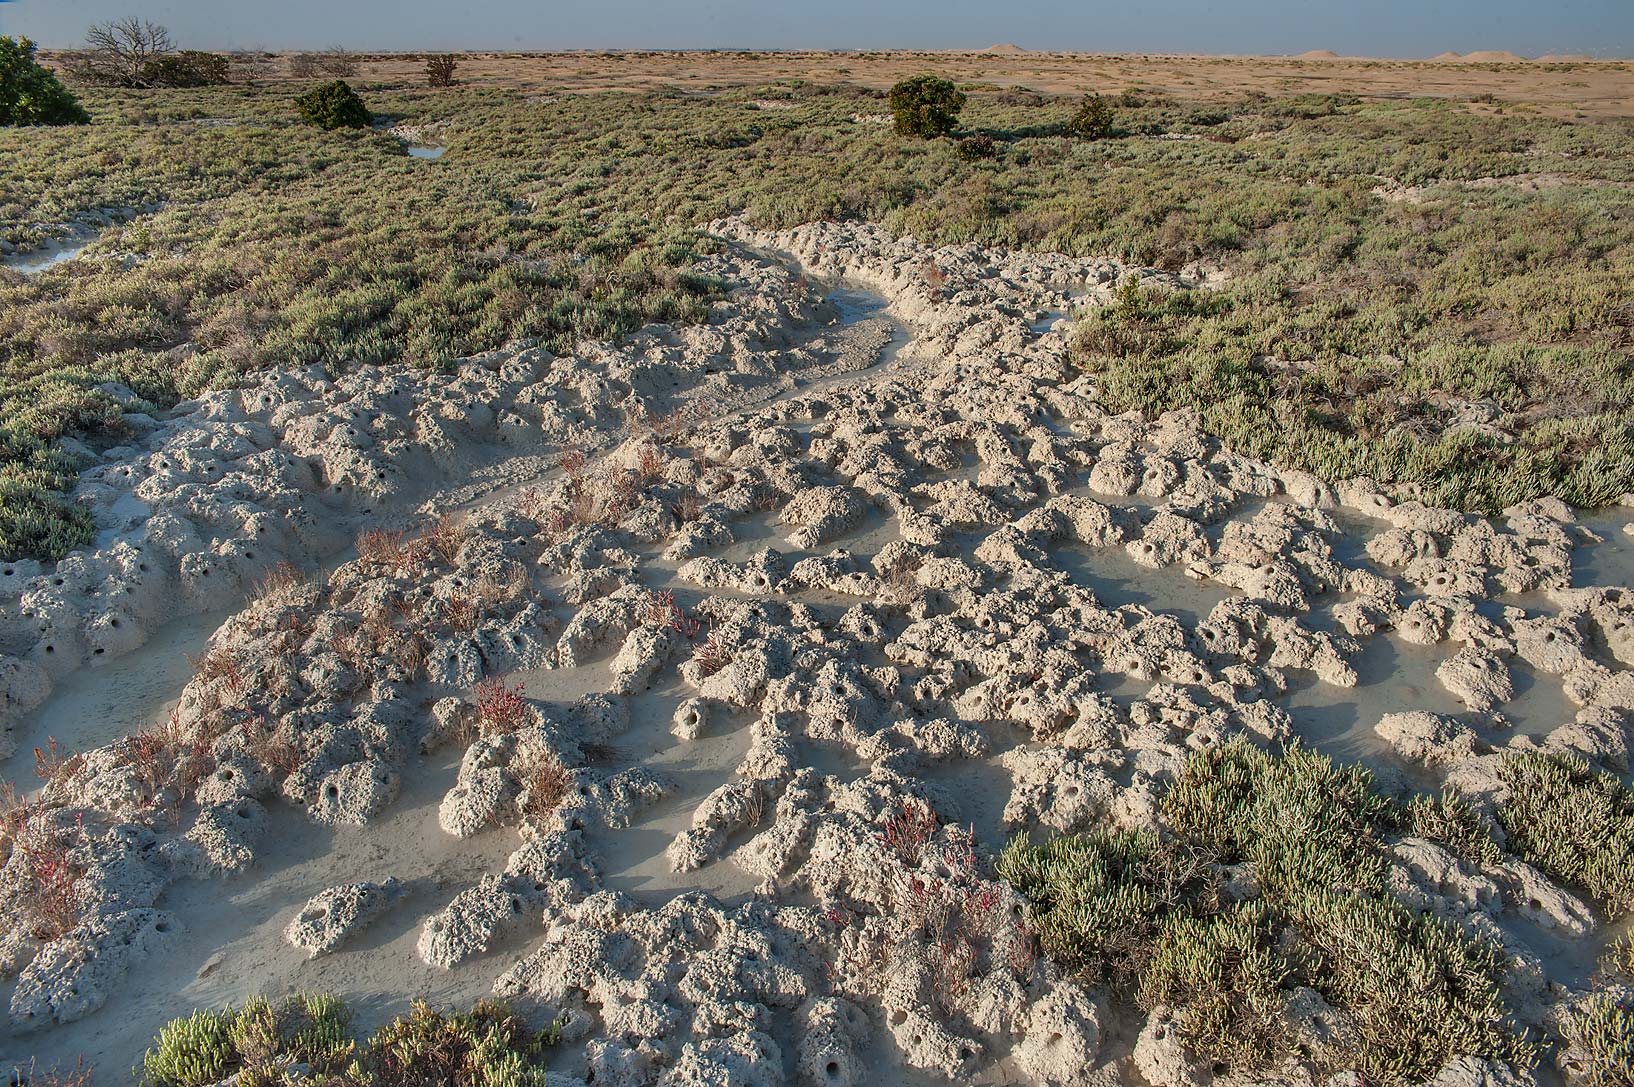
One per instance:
(426,152)
(38,260)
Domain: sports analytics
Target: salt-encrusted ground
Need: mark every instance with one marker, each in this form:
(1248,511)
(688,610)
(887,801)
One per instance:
(908,567)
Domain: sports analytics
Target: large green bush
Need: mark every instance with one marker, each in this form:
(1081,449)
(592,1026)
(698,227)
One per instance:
(30,93)
(925,106)
(334,105)
(1093,119)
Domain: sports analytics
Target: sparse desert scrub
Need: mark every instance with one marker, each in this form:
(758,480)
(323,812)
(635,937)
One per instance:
(1146,912)
(1351,330)
(1574,823)
(660,610)
(977,148)
(169,762)
(711,655)
(544,781)
(962,924)
(43,872)
(440,70)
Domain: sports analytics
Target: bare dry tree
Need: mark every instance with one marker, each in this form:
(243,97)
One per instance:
(119,53)
(252,65)
(440,70)
(337,62)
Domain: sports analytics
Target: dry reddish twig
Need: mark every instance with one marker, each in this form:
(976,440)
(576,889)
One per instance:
(169,761)
(462,615)
(279,580)
(544,782)
(651,464)
(446,535)
(48,873)
(53,762)
(380,547)
(500,709)
(269,745)
(659,609)
(35,1075)
(572,462)
(687,508)
(908,830)
(711,655)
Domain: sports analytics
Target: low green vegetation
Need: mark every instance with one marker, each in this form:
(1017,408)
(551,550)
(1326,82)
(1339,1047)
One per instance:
(31,94)
(1151,915)
(1574,823)
(485,1047)
(333,105)
(1619,957)
(1352,331)
(1602,1032)
(1452,821)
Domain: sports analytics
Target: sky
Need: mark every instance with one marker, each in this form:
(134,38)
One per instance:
(1381,28)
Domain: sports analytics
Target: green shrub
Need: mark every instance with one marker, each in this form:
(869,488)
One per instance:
(1573,823)
(976,148)
(192,1052)
(30,93)
(925,106)
(1225,971)
(1137,907)
(1421,991)
(485,1047)
(1618,959)
(308,1028)
(334,105)
(1093,119)
(189,68)
(1602,1036)
(1451,820)
(1301,820)
(1096,901)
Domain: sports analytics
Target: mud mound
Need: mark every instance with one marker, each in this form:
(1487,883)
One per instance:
(683,738)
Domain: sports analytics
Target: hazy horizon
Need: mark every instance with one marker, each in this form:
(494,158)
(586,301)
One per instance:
(1388,28)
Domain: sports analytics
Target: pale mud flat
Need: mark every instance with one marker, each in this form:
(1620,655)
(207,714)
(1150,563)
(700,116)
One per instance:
(95,706)
(896,536)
